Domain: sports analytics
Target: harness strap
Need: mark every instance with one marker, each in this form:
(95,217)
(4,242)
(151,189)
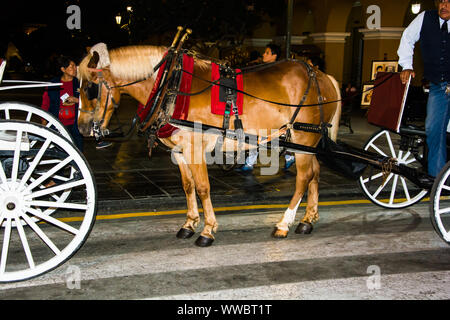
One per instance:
(305,95)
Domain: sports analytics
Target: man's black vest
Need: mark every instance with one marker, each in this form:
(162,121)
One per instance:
(435,49)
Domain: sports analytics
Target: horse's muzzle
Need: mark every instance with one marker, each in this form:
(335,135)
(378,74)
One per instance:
(86,129)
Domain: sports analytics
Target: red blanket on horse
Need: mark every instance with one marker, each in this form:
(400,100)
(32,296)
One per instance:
(218,107)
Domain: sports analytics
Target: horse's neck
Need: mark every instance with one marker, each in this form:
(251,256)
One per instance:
(140,91)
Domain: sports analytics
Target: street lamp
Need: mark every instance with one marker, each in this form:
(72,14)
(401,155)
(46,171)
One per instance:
(118,19)
(415,7)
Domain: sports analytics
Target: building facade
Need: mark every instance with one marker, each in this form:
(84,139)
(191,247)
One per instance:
(350,35)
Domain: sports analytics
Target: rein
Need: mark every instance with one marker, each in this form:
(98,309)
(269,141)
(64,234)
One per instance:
(211,83)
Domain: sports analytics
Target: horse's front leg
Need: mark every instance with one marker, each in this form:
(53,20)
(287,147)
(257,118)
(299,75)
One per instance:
(312,209)
(200,174)
(304,175)
(192,216)
(199,171)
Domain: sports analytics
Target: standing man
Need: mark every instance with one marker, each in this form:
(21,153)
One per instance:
(431,28)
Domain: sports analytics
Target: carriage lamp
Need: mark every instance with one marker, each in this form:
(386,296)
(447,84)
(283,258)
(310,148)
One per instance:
(118,19)
(415,7)
(130,9)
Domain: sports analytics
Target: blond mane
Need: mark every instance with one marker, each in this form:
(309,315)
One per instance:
(128,63)
(132,63)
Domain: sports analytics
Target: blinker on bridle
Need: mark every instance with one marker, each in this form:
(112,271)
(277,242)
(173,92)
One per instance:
(91,90)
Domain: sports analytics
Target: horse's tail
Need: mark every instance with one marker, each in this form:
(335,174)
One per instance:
(337,114)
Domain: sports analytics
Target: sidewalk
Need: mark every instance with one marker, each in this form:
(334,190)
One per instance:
(128,180)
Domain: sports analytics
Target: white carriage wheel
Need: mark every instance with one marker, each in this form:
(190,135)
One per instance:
(393,191)
(31,113)
(440,204)
(29,248)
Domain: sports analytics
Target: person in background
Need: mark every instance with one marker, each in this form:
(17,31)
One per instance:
(270,55)
(431,29)
(62,102)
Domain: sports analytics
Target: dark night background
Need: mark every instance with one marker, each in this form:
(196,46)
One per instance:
(151,22)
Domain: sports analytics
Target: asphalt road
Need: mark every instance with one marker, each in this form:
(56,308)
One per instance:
(355,252)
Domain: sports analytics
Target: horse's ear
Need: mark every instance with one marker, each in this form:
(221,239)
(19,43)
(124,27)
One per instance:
(94,60)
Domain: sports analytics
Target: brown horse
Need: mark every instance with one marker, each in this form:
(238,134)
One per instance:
(284,82)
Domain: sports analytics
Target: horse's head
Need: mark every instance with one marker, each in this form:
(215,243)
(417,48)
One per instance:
(98,96)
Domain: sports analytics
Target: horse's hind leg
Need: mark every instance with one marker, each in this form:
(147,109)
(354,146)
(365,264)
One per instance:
(312,209)
(193,218)
(304,165)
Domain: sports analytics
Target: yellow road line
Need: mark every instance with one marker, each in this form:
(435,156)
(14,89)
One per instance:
(219,209)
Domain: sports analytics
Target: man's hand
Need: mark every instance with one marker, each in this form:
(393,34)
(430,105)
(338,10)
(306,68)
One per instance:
(404,75)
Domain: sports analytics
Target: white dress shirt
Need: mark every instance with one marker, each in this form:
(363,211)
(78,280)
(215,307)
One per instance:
(410,36)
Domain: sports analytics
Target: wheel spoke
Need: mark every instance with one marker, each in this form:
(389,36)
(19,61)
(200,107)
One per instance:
(400,155)
(53,221)
(5,247)
(405,189)
(16,159)
(49,173)
(443,211)
(55,189)
(382,186)
(25,245)
(41,234)
(378,150)
(394,188)
(51,204)
(406,156)
(391,145)
(34,164)
(3,178)
(376,176)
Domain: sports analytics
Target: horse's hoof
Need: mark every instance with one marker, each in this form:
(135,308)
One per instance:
(279,234)
(185,233)
(204,241)
(304,228)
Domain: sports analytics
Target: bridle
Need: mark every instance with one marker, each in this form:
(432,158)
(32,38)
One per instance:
(94,91)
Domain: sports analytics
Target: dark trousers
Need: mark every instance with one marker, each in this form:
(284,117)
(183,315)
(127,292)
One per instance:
(76,136)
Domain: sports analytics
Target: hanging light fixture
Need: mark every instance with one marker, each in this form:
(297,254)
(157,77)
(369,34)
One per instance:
(415,7)
(118,19)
